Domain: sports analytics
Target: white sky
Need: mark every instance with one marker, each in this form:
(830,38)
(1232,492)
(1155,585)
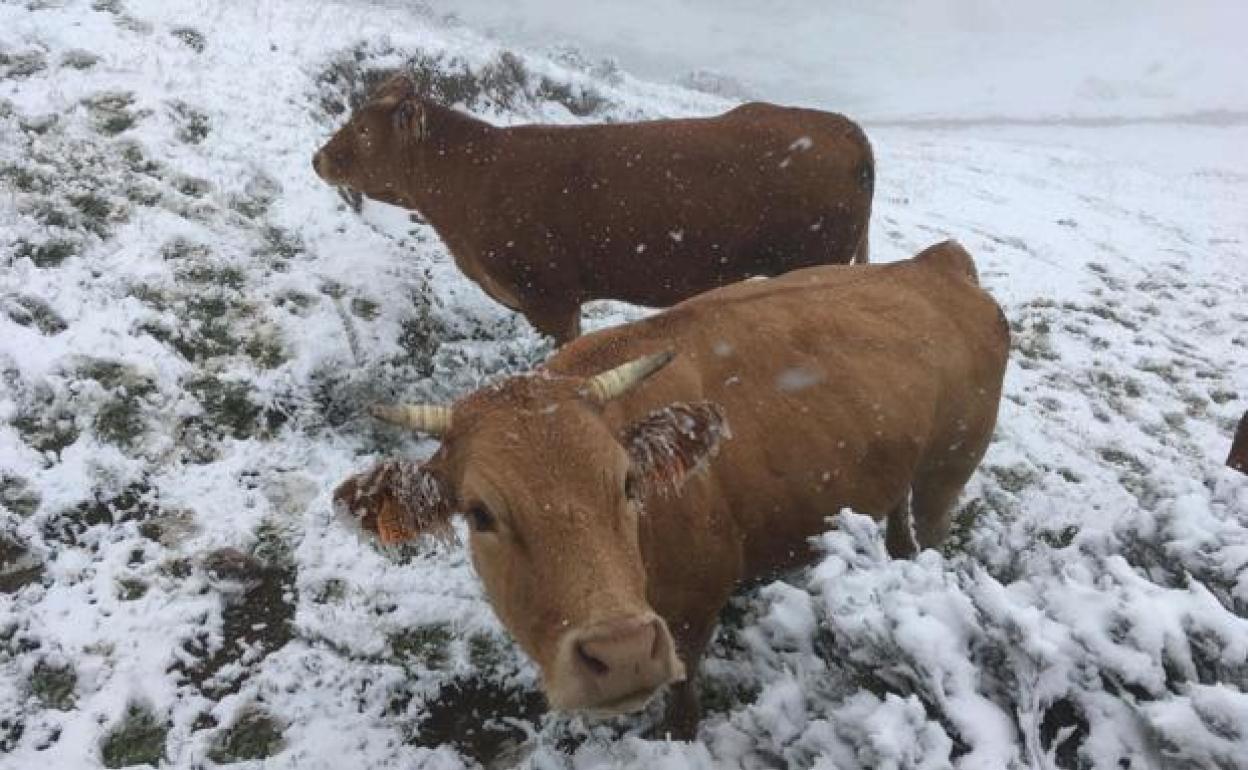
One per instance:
(901,58)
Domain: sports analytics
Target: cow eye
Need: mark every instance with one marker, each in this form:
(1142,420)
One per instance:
(480,519)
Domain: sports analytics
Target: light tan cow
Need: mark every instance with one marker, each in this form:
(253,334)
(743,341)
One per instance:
(617,495)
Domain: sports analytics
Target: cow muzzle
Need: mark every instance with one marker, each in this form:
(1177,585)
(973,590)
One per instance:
(323,166)
(614,667)
(328,166)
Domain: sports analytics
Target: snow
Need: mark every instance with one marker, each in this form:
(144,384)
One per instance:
(905,59)
(199,359)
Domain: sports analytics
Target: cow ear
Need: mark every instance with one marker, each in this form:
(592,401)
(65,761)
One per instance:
(670,444)
(411,120)
(395,501)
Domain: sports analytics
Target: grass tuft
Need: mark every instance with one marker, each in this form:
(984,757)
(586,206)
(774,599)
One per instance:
(423,646)
(255,736)
(191,38)
(22,65)
(138,739)
(79,59)
(50,253)
(18,495)
(193,124)
(110,111)
(53,685)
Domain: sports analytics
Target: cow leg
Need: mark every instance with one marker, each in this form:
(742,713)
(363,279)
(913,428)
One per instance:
(861,255)
(1238,457)
(562,323)
(932,505)
(684,709)
(899,539)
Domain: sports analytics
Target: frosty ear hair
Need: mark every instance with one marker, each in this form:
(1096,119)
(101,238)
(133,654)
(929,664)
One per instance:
(411,120)
(394,501)
(670,444)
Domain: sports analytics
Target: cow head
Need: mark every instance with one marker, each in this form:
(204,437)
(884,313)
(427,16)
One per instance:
(369,154)
(552,497)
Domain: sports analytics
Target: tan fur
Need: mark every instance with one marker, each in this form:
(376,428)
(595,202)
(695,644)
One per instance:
(860,387)
(545,218)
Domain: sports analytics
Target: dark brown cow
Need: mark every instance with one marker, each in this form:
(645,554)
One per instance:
(1238,458)
(602,550)
(545,218)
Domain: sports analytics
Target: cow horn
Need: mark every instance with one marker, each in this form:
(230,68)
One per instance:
(426,418)
(618,381)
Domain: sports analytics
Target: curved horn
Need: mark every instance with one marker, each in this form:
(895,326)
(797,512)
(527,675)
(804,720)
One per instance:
(618,381)
(427,418)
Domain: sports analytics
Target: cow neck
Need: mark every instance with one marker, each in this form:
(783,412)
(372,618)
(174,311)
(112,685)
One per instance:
(448,183)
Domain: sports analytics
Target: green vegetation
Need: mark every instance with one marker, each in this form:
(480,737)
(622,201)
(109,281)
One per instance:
(331,591)
(254,624)
(136,502)
(110,111)
(229,409)
(1014,478)
(423,646)
(17,569)
(505,83)
(486,652)
(272,546)
(29,310)
(18,496)
(120,419)
(78,59)
(963,525)
(129,589)
(28,179)
(22,65)
(193,123)
(256,735)
(364,308)
(139,739)
(190,186)
(191,38)
(278,248)
(255,199)
(46,427)
(478,716)
(53,685)
(50,253)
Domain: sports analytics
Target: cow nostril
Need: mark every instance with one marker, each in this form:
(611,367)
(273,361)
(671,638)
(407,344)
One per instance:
(595,666)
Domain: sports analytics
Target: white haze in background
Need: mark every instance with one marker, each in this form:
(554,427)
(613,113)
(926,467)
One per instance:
(895,59)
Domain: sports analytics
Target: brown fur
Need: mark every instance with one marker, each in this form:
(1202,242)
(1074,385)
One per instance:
(870,387)
(545,218)
(1238,457)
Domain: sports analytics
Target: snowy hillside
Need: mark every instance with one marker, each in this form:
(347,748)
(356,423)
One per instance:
(899,59)
(190,322)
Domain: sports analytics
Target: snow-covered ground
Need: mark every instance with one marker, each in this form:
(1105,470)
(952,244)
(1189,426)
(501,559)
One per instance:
(190,320)
(891,59)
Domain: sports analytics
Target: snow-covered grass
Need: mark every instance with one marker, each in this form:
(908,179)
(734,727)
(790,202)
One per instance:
(190,321)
